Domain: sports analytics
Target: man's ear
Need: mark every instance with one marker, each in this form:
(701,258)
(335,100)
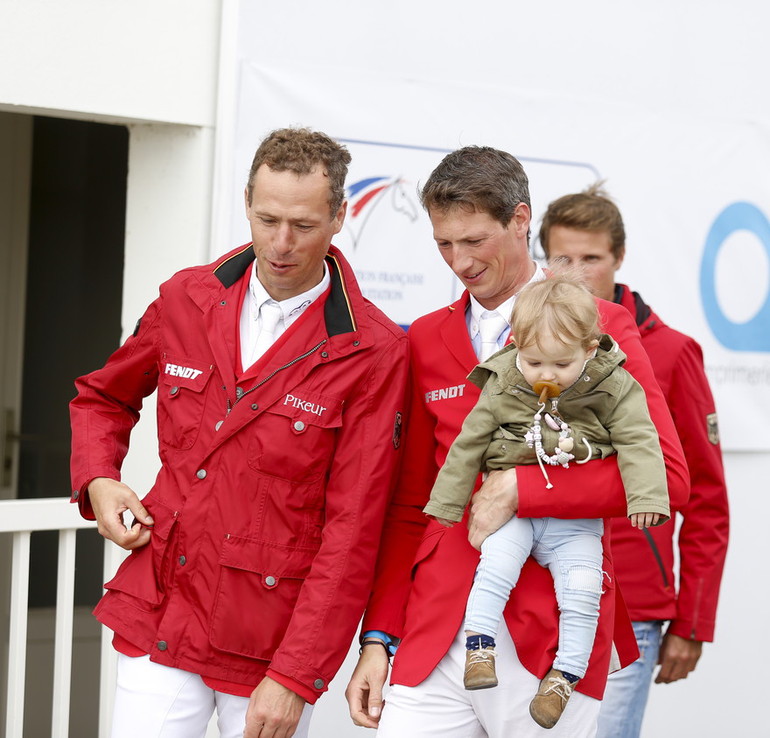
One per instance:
(339,218)
(520,220)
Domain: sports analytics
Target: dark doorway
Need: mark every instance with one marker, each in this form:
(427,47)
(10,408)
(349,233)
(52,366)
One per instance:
(73,305)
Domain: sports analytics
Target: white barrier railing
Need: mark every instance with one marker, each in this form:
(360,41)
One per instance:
(21,518)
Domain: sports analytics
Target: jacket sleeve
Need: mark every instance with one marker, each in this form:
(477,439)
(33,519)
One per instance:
(705,525)
(360,479)
(596,489)
(405,522)
(634,438)
(107,406)
(456,478)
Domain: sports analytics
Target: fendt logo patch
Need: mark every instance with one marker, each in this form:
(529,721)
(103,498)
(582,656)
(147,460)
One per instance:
(186,372)
(445,393)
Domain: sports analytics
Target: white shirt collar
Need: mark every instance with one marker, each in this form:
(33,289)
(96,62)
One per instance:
(505,309)
(292,307)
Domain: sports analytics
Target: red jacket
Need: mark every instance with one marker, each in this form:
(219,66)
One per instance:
(644,562)
(267,515)
(425,571)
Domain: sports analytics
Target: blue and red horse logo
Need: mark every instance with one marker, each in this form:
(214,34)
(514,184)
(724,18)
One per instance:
(366,195)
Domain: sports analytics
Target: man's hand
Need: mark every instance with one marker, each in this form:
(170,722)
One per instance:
(493,505)
(364,692)
(274,711)
(109,500)
(678,657)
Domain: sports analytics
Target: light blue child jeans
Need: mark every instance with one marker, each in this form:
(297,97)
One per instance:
(572,550)
(627,690)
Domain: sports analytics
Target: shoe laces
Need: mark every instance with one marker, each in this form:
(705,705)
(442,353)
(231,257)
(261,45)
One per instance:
(481,655)
(561,686)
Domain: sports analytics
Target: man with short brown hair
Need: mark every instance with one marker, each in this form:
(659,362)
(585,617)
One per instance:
(280,392)
(478,202)
(585,230)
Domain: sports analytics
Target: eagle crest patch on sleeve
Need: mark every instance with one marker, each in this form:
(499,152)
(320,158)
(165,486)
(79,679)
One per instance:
(713,428)
(397,431)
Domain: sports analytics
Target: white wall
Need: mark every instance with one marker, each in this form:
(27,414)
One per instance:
(140,60)
(701,55)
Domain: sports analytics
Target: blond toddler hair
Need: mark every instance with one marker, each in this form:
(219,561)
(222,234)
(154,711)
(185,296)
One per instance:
(559,306)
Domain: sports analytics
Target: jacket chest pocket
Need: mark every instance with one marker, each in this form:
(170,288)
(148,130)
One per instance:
(181,400)
(295,437)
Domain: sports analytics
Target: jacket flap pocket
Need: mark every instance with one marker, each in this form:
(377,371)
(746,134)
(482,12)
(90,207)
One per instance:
(310,408)
(163,516)
(142,575)
(188,373)
(268,559)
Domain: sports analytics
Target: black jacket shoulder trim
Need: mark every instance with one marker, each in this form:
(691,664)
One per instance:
(231,270)
(338,313)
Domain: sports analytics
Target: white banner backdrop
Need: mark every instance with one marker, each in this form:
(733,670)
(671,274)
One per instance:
(693,198)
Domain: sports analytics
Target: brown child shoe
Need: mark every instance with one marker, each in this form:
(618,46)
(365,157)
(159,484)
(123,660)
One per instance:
(480,668)
(551,699)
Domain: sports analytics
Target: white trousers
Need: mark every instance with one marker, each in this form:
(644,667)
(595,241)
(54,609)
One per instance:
(156,701)
(440,707)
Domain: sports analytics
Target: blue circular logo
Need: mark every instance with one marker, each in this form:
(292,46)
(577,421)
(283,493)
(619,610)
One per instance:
(754,334)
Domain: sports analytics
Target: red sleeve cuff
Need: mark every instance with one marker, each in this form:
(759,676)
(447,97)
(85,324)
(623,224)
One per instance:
(81,496)
(703,632)
(302,690)
(83,500)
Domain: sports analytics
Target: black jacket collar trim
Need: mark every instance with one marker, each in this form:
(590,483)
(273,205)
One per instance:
(232,269)
(338,312)
(642,310)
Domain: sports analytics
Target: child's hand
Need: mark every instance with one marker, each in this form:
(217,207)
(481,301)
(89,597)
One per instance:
(644,520)
(446,523)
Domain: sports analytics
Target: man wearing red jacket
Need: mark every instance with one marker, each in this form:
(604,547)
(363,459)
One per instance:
(586,230)
(478,202)
(280,391)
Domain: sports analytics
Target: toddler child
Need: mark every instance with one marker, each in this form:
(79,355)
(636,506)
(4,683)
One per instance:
(559,395)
